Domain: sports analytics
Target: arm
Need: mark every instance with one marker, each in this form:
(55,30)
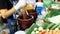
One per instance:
(6,13)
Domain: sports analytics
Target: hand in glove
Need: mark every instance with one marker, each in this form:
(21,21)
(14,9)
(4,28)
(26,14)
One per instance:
(20,4)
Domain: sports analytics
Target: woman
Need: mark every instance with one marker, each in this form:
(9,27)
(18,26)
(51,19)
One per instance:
(7,9)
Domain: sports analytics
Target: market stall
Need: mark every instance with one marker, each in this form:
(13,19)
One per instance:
(41,17)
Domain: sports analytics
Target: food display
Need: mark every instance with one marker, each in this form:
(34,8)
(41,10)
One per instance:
(50,32)
(41,17)
(51,23)
(46,28)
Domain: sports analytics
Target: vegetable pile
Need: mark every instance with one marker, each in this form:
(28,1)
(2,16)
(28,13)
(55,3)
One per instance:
(47,29)
(51,26)
(49,32)
(36,30)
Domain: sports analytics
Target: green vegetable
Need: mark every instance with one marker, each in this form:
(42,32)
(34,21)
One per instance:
(55,26)
(37,32)
(35,29)
(58,26)
(33,32)
(32,28)
(54,12)
(50,26)
(47,3)
(40,28)
(47,29)
(47,16)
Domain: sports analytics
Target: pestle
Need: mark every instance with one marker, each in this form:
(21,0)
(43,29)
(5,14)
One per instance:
(24,13)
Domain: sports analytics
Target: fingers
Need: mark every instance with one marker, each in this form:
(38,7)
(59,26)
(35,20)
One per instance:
(20,4)
(3,11)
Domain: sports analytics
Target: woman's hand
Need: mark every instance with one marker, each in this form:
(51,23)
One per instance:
(2,12)
(20,4)
(6,13)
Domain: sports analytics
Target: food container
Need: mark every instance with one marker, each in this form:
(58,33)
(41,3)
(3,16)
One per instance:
(20,32)
(25,23)
(33,13)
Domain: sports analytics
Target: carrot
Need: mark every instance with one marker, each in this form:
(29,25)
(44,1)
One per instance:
(59,32)
(39,32)
(51,32)
(43,31)
(55,31)
(46,32)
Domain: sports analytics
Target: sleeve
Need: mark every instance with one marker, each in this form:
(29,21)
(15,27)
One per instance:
(2,4)
(9,5)
(5,4)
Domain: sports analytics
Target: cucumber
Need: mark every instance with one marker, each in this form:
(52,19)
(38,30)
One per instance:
(50,25)
(55,26)
(58,26)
